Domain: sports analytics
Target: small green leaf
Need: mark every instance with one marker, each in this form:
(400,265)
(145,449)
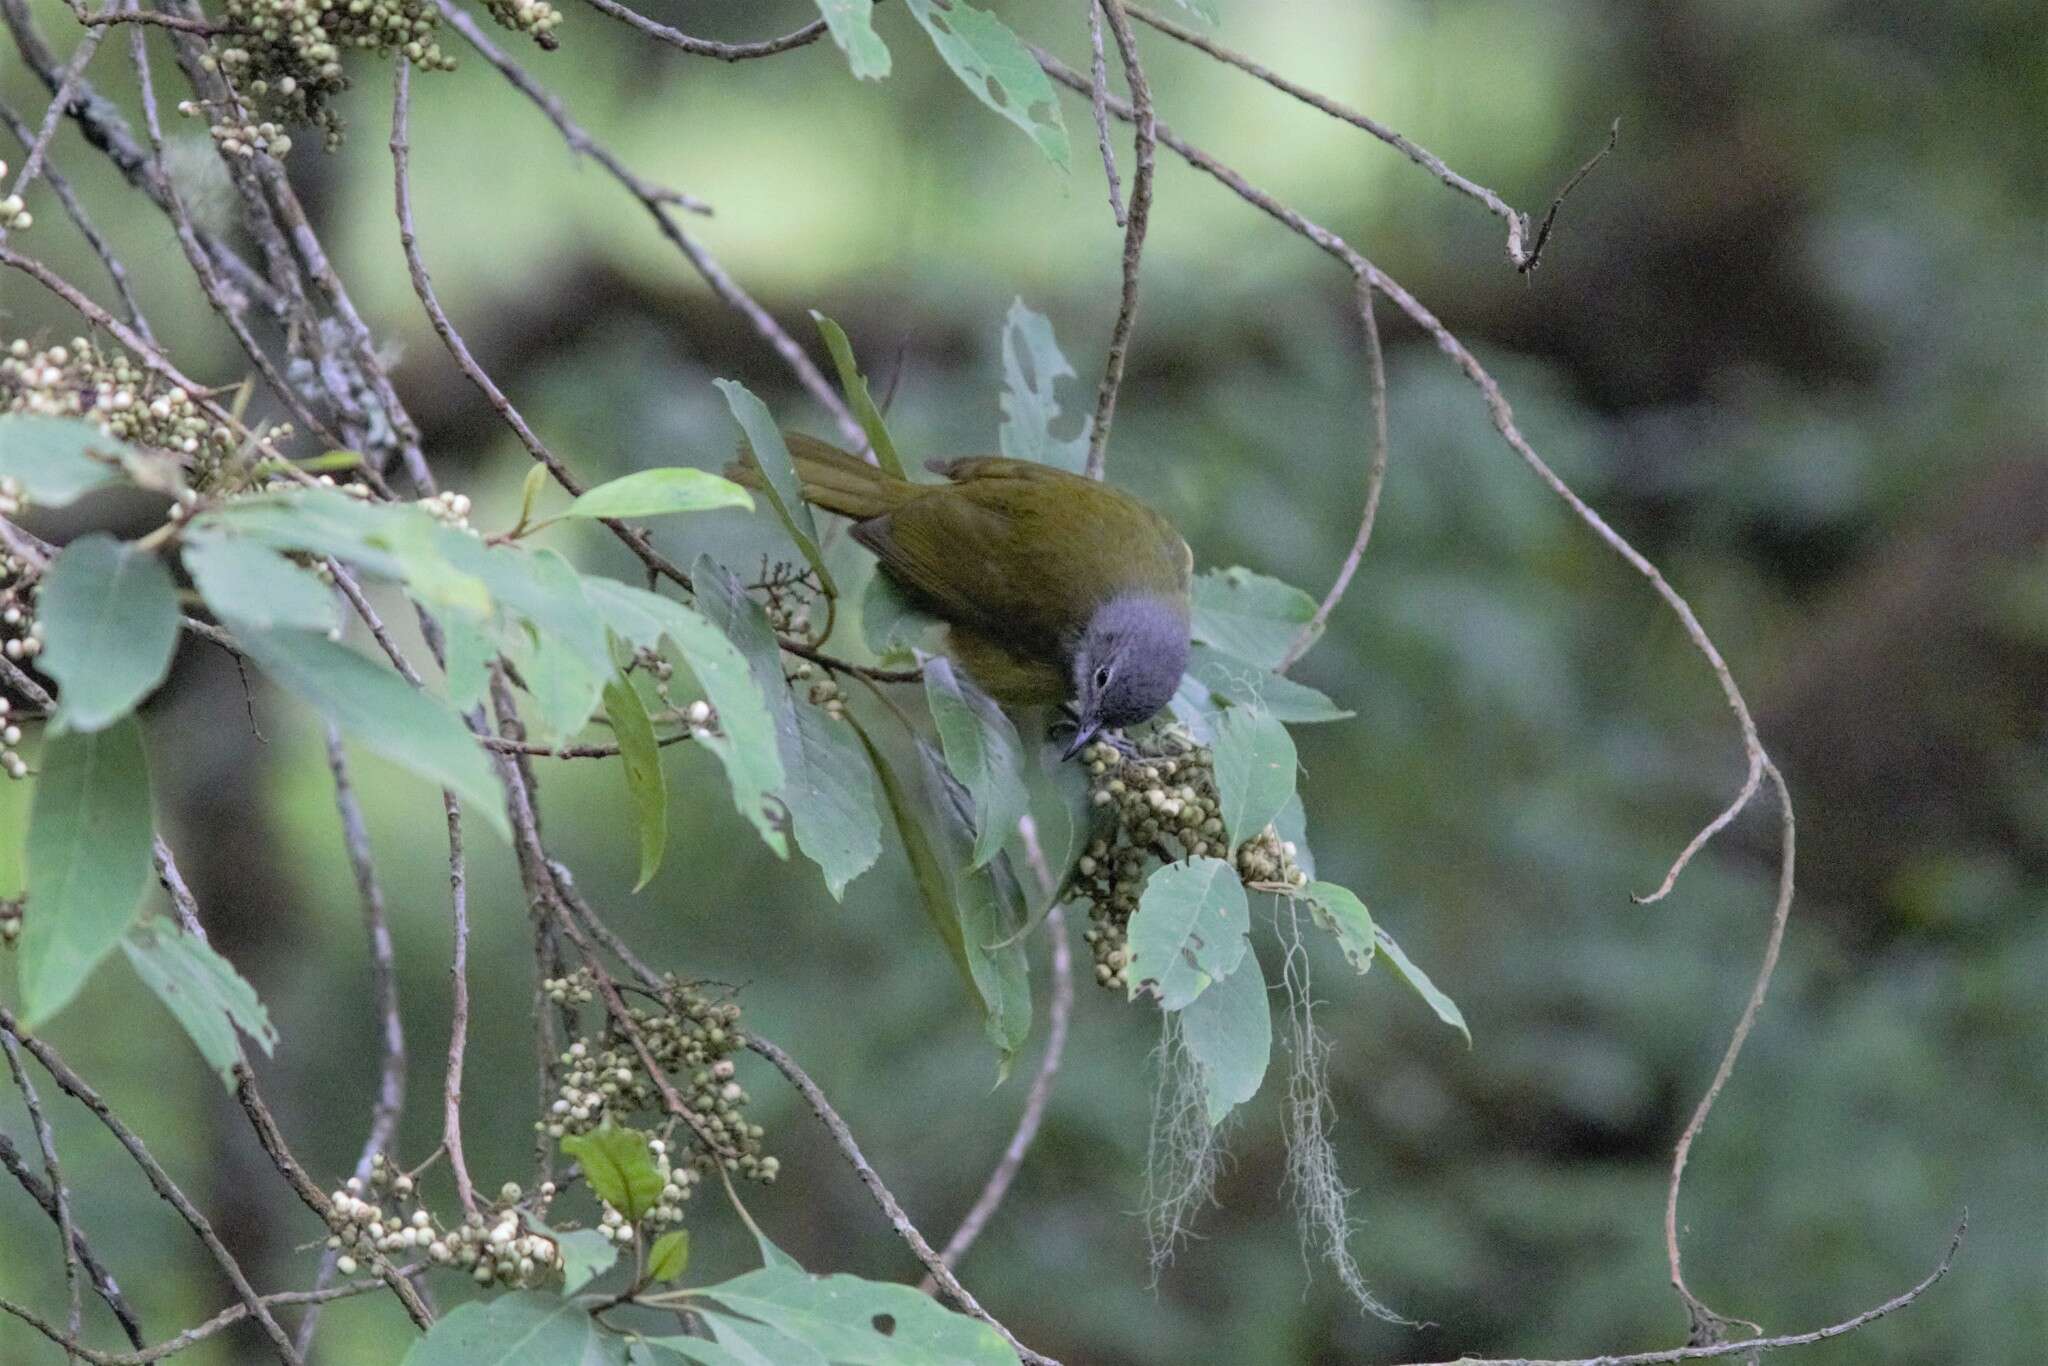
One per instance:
(1292,827)
(982,750)
(248,584)
(1228,1030)
(1446,1009)
(852,25)
(468,662)
(854,384)
(88,858)
(329,462)
(785,492)
(379,709)
(888,621)
(655,493)
(1251,685)
(1249,615)
(844,1318)
(57,460)
(998,68)
(1032,366)
(524,1328)
(586,1254)
(1254,771)
(203,990)
(669,1256)
(619,1168)
(529,492)
(1190,930)
(110,625)
(1339,911)
(640,761)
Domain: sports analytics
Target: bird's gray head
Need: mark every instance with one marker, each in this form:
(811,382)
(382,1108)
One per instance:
(1127,664)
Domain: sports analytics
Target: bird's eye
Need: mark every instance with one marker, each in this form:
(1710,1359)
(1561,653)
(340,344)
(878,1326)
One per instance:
(1102,678)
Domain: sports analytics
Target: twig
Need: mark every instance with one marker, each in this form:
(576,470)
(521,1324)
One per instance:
(226,1318)
(705,47)
(1134,231)
(383,969)
(32,164)
(458,1011)
(46,1141)
(1098,75)
(73,209)
(103,1282)
(201,27)
(540,751)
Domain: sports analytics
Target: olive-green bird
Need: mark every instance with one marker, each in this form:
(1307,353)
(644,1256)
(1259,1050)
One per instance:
(1056,588)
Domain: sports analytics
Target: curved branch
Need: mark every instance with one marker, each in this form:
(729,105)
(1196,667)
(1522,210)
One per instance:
(1134,231)
(706,47)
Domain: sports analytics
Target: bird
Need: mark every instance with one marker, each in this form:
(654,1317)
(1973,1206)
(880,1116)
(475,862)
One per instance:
(1055,588)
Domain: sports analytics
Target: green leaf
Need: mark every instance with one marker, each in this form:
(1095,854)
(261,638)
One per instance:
(852,25)
(741,1342)
(655,493)
(826,784)
(640,761)
(851,382)
(586,1254)
(524,1328)
(529,492)
(748,747)
(1339,911)
(249,584)
(934,894)
(619,1168)
(468,662)
(778,476)
(669,1256)
(1254,771)
(982,750)
(316,521)
(1032,366)
(1249,615)
(88,859)
(996,66)
(1190,930)
(1250,685)
(110,625)
(57,460)
(1228,1031)
(1061,816)
(1446,1009)
(888,621)
(386,714)
(203,990)
(840,1317)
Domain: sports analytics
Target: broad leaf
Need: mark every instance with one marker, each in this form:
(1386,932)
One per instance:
(619,1168)
(1189,930)
(741,1342)
(586,1254)
(1032,367)
(1254,771)
(934,894)
(246,583)
(1249,615)
(1228,1031)
(842,1318)
(202,989)
(524,1328)
(1446,1009)
(317,521)
(655,493)
(991,907)
(994,63)
(1338,910)
(670,1255)
(1245,684)
(56,460)
(381,711)
(1062,819)
(468,662)
(854,384)
(88,859)
(778,475)
(640,762)
(982,750)
(110,624)
(888,620)
(852,25)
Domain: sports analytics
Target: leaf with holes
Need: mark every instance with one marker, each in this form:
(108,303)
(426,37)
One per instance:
(1254,760)
(1338,910)
(1235,681)
(619,1168)
(861,1323)
(210,1000)
(110,624)
(992,62)
(1033,365)
(1190,930)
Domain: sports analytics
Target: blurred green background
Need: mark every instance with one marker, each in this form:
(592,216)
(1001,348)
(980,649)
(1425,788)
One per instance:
(1788,338)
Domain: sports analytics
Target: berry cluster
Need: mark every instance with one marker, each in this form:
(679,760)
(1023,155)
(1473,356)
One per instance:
(824,692)
(386,1216)
(14,214)
(16,767)
(21,635)
(113,391)
(450,509)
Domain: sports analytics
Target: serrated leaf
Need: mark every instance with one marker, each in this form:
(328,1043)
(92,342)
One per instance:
(88,859)
(983,752)
(826,783)
(669,1256)
(1032,367)
(999,69)
(110,625)
(57,460)
(1228,1031)
(640,762)
(1338,910)
(840,1317)
(854,384)
(1446,1009)
(203,991)
(852,25)
(524,1328)
(778,475)
(1245,684)
(586,1254)
(656,493)
(1190,930)
(248,584)
(1255,762)
(381,711)
(619,1168)
(1249,615)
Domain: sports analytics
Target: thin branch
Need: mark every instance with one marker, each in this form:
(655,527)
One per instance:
(1134,231)
(46,1141)
(705,47)
(32,164)
(458,1011)
(201,27)
(75,211)
(383,967)
(103,1282)
(1098,75)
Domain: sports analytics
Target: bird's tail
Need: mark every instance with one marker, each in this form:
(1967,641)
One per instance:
(832,479)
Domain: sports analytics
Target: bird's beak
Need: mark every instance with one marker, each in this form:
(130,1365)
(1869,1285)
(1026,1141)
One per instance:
(1084,731)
